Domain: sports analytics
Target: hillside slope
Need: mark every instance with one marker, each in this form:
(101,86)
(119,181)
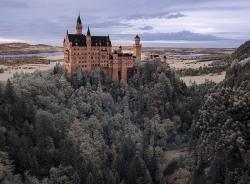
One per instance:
(25,48)
(221,132)
(242,52)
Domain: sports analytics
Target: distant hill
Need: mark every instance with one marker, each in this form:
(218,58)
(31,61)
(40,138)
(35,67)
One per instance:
(25,48)
(239,70)
(242,52)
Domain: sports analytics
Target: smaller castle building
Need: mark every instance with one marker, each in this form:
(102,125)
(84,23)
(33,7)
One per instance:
(163,61)
(84,52)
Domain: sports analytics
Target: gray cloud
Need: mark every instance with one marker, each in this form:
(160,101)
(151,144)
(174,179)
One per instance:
(175,16)
(180,39)
(146,28)
(155,15)
(182,35)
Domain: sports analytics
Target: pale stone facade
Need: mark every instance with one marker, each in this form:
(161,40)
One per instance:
(84,52)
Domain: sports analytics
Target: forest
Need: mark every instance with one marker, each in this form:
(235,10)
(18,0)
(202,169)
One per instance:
(87,128)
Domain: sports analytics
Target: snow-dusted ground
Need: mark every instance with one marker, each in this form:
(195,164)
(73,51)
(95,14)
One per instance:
(55,57)
(201,79)
(177,64)
(182,64)
(12,70)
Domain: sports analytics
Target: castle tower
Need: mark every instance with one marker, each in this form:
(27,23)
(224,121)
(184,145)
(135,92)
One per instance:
(164,60)
(115,74)
(137,47)
(79,26)
(88,43)
(120,50)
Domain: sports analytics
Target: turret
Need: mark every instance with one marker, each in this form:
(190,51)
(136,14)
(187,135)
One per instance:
(137,47)
(79,25)
(108,40)
(137,40)
(88,37)
(164,60)
(120,50)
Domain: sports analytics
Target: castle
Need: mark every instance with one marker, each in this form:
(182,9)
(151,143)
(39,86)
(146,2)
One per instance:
(84,52)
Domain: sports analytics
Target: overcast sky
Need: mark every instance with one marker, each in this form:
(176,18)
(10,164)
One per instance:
(171,23)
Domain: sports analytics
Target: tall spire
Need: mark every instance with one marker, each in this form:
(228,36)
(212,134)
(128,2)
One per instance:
(88,32)
(79,25)
(79,19)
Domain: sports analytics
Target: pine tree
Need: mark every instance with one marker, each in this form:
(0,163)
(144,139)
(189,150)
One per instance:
(9,94)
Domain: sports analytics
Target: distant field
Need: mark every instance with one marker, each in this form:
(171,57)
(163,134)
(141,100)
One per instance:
(26,68)
(24,48)
(191,62)
(201,79)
